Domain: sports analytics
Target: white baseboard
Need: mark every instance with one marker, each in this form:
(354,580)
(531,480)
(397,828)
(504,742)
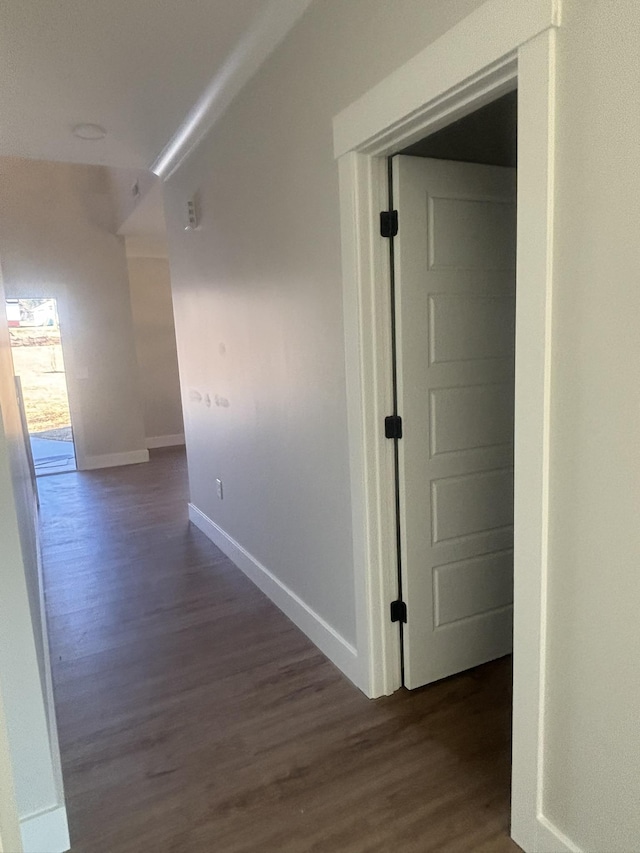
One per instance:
(326,638)
(551,840)
(47,832)
(165,440)
(113,460)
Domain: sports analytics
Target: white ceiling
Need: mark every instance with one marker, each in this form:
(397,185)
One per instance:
(139,68)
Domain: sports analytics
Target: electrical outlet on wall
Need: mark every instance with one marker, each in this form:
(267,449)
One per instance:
(219,491)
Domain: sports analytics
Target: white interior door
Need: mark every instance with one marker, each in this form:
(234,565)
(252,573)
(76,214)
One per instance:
(455,320)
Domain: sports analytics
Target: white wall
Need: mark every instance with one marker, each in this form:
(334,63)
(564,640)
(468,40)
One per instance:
(592,778)
(258,299)
(57,226)
(24,679)
(121,182)
(258,312)
(155,342)
(10,840)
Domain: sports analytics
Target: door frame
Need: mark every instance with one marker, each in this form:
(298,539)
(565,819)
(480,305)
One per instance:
(46,291)
(504,44)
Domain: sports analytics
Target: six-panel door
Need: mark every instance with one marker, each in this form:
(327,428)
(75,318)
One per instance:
(455,292)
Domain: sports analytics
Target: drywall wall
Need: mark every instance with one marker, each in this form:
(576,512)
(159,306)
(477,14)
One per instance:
(10,839)
(26,698)
(57,226)
(257,297)
(592,755)
(258,302)
(155,340)
(128,189)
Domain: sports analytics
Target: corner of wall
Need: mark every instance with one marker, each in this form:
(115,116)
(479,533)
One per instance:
(327,639)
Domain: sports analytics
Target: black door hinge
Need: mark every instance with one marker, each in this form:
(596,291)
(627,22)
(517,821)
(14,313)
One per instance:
(398,611)
(388,223)
(393,426)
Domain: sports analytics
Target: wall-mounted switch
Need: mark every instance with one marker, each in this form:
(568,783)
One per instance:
(193,215)
(219,489)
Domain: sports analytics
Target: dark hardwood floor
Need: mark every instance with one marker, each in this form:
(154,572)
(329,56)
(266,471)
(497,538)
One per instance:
(195,718)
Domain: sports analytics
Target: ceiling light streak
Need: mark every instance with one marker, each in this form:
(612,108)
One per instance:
(266,32)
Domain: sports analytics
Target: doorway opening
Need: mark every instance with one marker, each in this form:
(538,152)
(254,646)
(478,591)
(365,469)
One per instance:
(453,282)
(461,72)
(36,347)
(452,276)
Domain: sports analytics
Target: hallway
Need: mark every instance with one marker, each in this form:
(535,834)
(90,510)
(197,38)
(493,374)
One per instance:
(195,718)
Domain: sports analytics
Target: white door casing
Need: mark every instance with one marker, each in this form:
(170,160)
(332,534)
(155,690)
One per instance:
(455,321)
(501,45)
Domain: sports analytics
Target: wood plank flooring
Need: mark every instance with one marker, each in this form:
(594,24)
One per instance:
(195,718)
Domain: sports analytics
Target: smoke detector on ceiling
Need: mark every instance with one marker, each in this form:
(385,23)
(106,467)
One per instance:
(90,132)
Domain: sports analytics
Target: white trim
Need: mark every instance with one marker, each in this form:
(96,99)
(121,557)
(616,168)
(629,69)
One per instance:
(259,40)
(73,384)
(165,440)
(46,832)
(536,111)
(503,44)
(326,638)
(367,326)
(481,44)
(113,460)
(550,840)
